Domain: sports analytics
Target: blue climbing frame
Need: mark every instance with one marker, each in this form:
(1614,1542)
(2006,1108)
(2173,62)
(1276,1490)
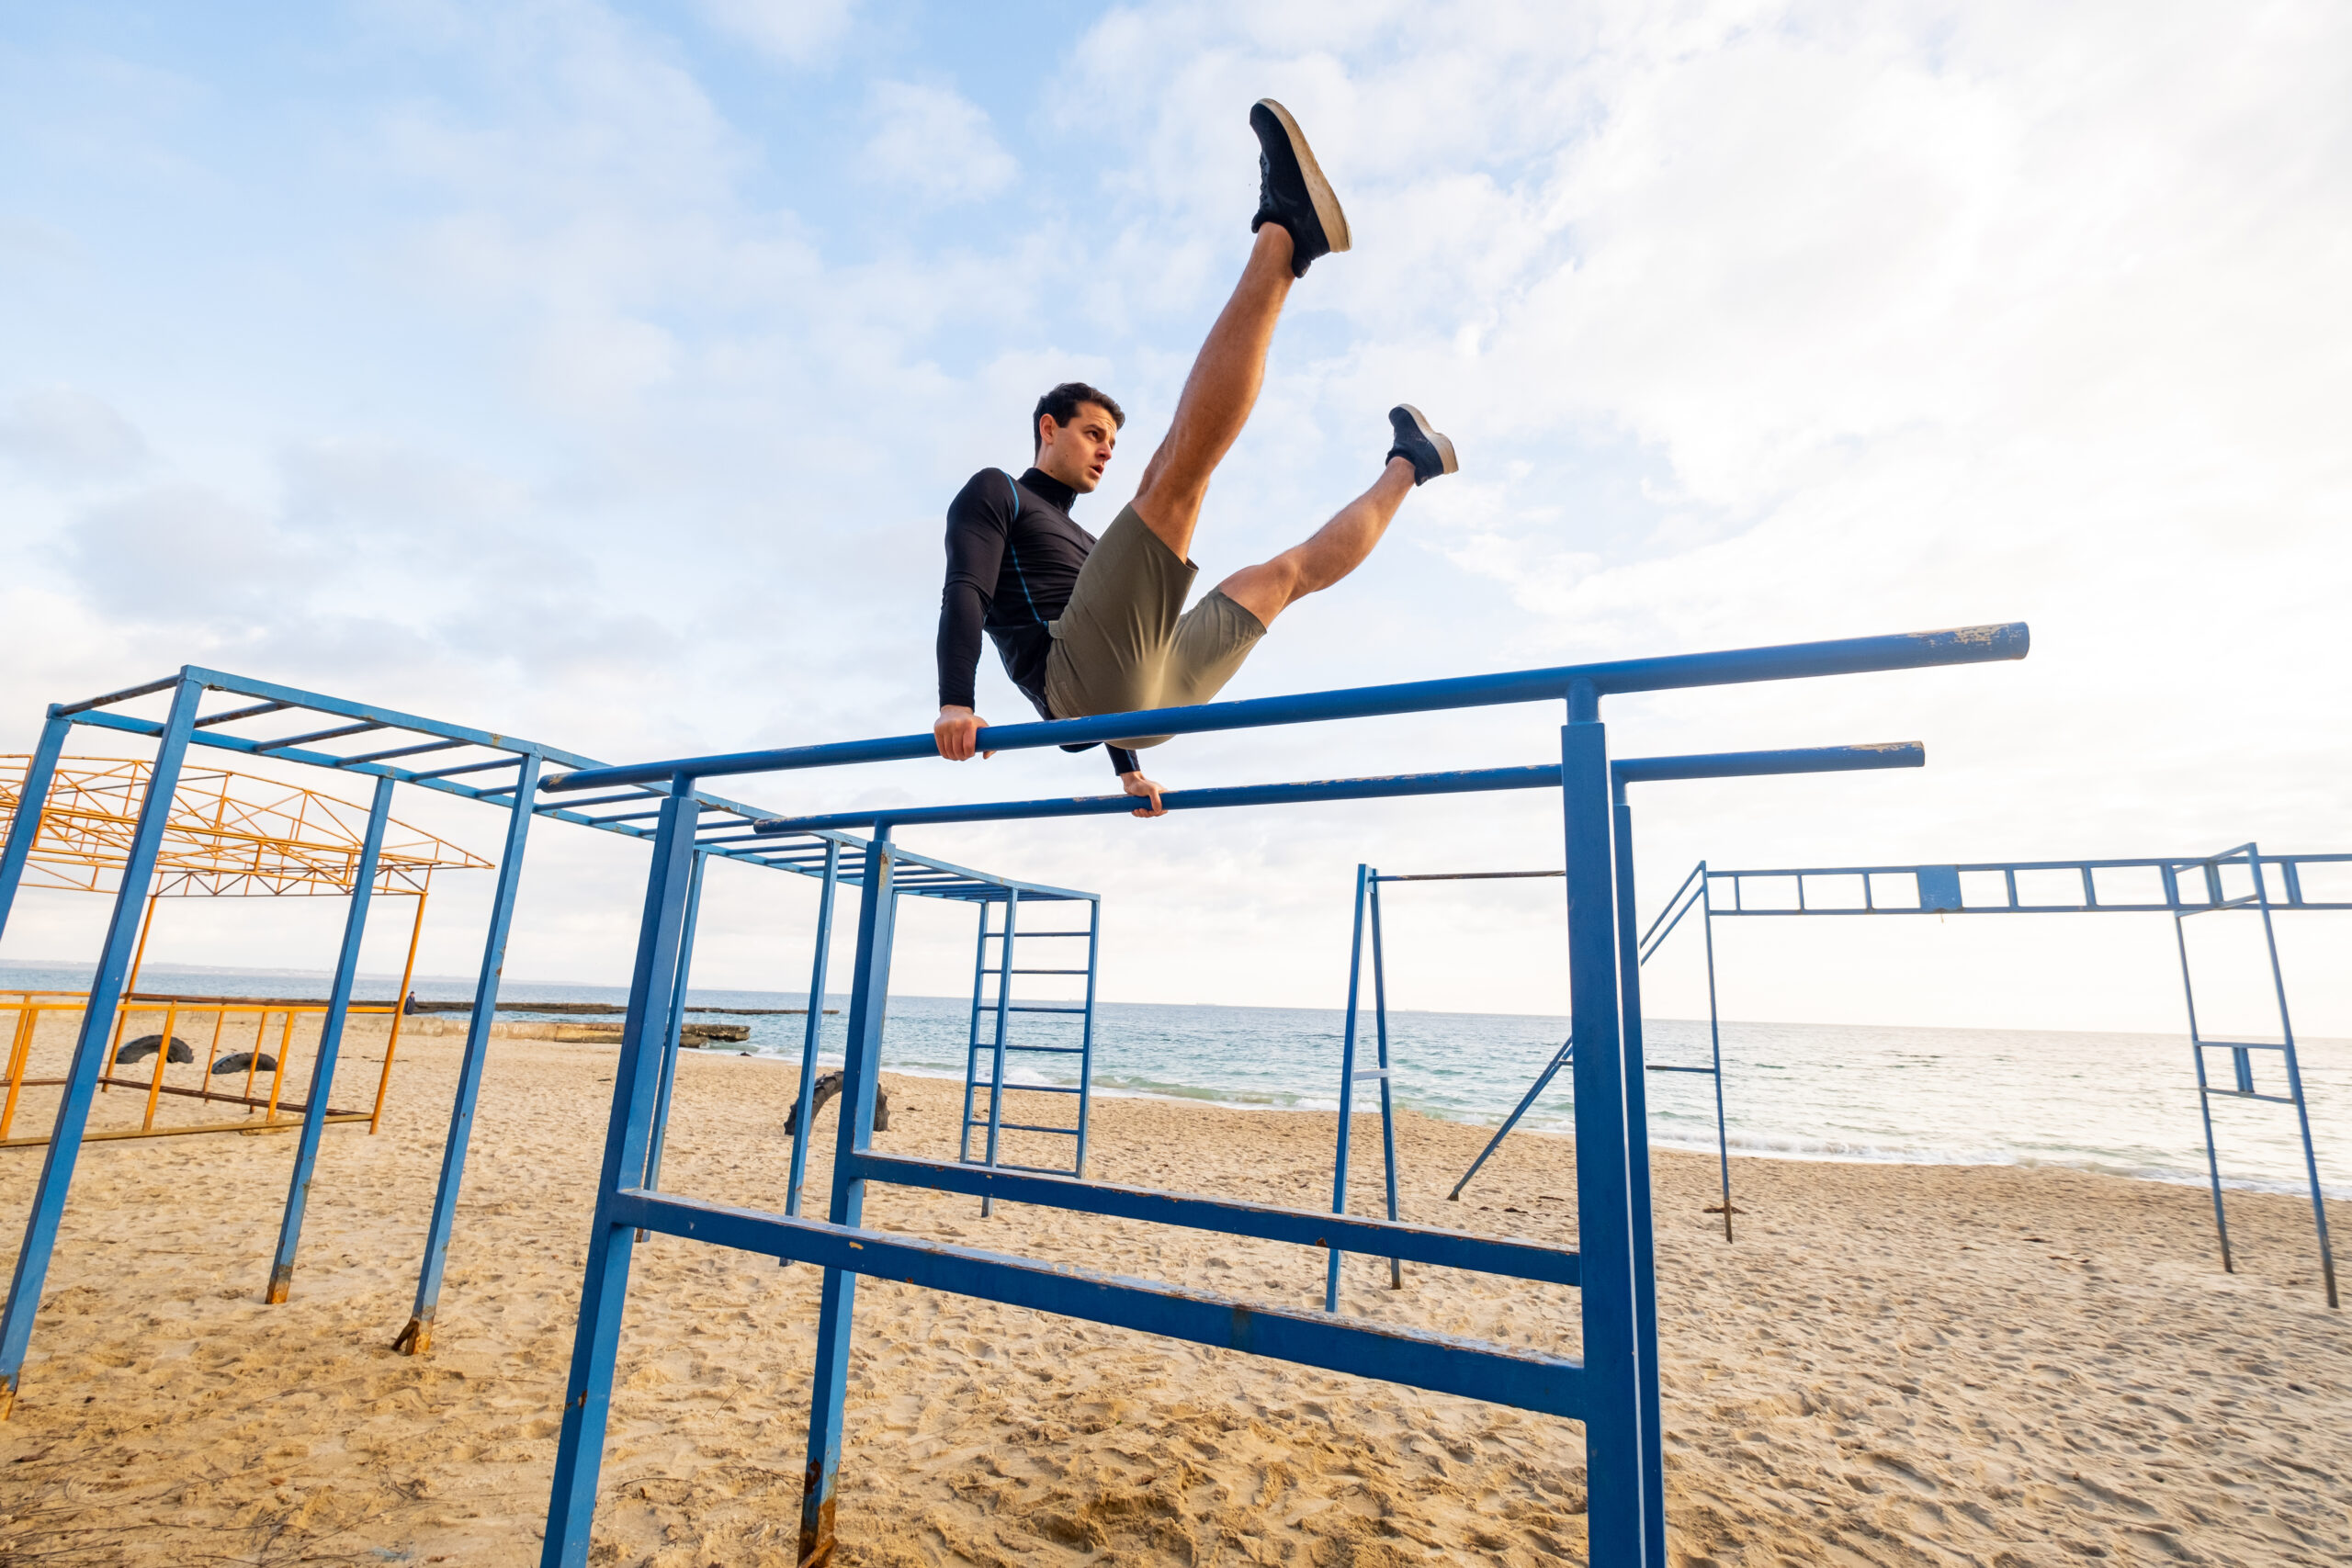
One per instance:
(1870,758)
(392,747)
(2184,887)
(1613,1389)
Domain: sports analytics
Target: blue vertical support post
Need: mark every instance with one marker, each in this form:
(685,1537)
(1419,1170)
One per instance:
(1004,1021)
(861,1068)
(2197,1051)
(1347,1085)
(1387,1100)
(673,1035)
(1615,1474)
(1086,1035)
(604,1291)
(90,1048)
(32,801)
(314,1115)
(1715,1042)
(2294,1078)
(972,1037)
(417,1339)
(1637,1189)
(814,1034)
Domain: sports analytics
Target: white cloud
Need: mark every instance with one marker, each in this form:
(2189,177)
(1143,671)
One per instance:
(64,433)
(798,32)
(936,142)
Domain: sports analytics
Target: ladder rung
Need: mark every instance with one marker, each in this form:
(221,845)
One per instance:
(1031,1170)
(1050,1050)
(1012,1088)
(1033,1007)
(1662,1067)
(1031,1127)
(2239,1046)
(1049,971)
(1370,1073)
(1017,935)
(2249,1094)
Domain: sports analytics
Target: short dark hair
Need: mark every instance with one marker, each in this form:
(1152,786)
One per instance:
(1063,403)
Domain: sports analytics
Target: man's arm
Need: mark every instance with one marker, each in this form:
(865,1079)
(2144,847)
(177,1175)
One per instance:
(979,519)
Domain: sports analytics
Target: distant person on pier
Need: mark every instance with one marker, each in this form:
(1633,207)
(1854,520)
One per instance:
(1090,627)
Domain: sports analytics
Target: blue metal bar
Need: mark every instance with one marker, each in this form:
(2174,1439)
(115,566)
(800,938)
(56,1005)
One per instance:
(1615,1473)
(468,768)
(314,1117)
(814,1033)
(1759,764)
(90,1048)
(1524,1380)
(32,804)
(1347,1085)
(1004,1021)
(1846,655)
(234,714)
(837,1302)
(1564,1056)
(364,728)
(68,710)
(604,1291)
(2294,1079)
(417,1339)
(1086,1040)
(1516,1260)
(972,1036)
(674,1032)
(1715,1043)
(1645,1230)
(405,751)
(1387,1101)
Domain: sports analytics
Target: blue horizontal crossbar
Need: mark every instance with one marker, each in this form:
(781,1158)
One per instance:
(1441,1363)
(1470,781)
(1379,1239)
(1845,656)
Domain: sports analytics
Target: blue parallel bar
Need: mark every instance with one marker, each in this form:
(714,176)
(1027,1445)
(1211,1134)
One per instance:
(1524,1380)
(314,1118)
(91,1047)
(417,1339)
(672,1033)
(1791,662)
(1637,1120)
(1727,764)
(1086,1035)
(588,1386)
(1512,1259)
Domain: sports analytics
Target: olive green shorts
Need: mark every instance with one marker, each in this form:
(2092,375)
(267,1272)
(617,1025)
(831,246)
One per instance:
(1125,642)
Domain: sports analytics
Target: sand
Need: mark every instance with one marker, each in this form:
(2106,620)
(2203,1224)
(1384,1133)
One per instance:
(1892,1364)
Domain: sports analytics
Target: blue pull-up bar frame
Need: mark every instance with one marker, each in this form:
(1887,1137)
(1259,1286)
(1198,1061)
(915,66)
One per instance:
(1613,1389)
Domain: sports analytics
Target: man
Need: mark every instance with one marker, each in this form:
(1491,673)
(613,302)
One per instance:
(1086,627)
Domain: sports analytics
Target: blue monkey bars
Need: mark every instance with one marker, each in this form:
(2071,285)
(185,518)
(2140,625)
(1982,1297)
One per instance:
(2183,886)
(389,747)
(1872,758)
(1612,1389)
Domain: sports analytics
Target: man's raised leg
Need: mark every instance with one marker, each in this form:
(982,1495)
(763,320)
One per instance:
(1340,546)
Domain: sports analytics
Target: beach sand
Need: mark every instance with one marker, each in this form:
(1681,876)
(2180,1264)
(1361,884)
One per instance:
(1892,1364)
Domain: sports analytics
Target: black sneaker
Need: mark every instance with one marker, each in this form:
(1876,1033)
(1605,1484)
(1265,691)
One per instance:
(1291,190)
(1429,453)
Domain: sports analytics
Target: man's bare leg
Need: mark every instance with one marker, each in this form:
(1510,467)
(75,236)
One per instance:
(1334,550)
(1217,396)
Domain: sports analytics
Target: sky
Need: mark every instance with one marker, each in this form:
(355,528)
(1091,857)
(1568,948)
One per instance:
(601,373)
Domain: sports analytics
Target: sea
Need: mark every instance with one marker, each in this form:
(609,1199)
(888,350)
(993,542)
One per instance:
(2123,1104)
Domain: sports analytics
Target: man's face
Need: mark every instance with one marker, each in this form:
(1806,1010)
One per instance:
(1077,453)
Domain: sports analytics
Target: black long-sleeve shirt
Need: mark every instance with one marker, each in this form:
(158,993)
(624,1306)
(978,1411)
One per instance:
(1014,557)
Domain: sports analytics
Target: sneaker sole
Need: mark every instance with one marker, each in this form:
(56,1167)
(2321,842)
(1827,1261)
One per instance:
(1444,447)
(1318,189)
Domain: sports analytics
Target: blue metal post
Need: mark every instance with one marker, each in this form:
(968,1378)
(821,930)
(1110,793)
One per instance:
(2294,1078)
(1637,1173)
(1616,1475)
(604,1291)
(972,1037)
(1387,1101)
(314,1117)
(1715,1042)
(674,1036)
(814,1034)
(2204,1099)
(90,1048)
(1347,1085)
(1086,1039)
(861,1070)
(32,801)
(1560,1058)
(417,1339)
(1004,1021)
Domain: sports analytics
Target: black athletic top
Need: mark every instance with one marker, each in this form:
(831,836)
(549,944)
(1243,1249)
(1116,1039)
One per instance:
(1014,555)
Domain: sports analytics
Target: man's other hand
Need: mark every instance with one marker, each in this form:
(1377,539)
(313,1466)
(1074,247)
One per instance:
(1136,784)
(958,734)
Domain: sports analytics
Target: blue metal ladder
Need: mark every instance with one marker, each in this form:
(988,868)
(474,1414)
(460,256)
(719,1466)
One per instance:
(2242,1082)
(990,1041)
